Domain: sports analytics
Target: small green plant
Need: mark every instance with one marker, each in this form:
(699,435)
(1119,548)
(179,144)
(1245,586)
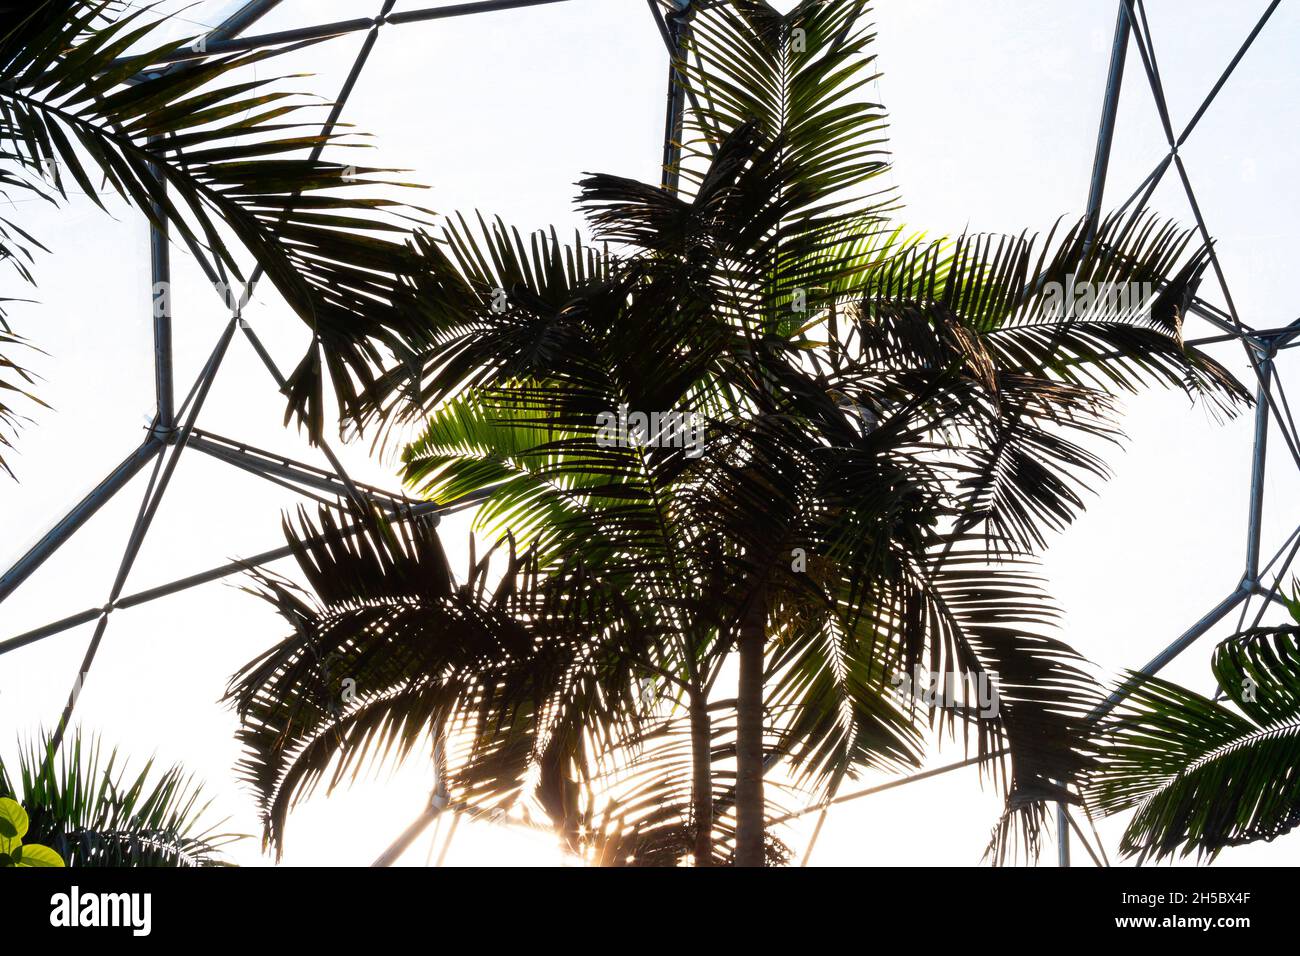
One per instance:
(13,825)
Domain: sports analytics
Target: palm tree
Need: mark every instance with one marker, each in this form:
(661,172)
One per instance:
(889,429)
(93,813)
(620,536)
(772,292)
(1202,775)
(221,162)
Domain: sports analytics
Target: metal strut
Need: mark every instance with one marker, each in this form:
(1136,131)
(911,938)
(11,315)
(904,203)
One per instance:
(676,28)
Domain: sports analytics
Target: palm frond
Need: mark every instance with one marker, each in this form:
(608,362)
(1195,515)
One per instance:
(393,649)
(642,812)
(798,80)
(16,381)
(1048,358)
(94,813)
(493,306)
(221,161)
(1199,775)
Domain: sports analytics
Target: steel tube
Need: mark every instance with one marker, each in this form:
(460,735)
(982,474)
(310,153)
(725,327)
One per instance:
(258,463)
(78,516)
(327,31)
(1259,460)
(418,510)
(677,25)
(161,271)
(1109,112)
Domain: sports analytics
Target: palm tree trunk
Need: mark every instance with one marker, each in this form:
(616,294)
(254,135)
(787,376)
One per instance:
(701,779)
(749,735)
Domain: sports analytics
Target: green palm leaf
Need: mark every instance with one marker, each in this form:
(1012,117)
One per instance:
(1200,775)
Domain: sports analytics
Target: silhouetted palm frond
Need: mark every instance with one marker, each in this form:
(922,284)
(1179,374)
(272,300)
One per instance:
(223,162)
(393,649)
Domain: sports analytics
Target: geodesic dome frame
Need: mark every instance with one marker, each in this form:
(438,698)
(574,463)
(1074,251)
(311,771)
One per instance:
(174,429)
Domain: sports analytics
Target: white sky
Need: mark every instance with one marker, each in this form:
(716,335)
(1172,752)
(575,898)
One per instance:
(994,109)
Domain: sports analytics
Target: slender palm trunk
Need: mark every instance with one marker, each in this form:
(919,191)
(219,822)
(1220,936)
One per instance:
(749,736)
(701,779)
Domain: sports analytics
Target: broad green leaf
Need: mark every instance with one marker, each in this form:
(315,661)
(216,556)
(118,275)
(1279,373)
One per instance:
(33,854)
(13,819)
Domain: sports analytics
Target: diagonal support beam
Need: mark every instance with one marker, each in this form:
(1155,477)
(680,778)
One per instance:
(1109,113)
(338,28)
(148,509)
(1069,817)
(424,509)
(1153,179)
(880,788)
(1184,641)
(264,463)
(331,121)
(164,421)
(1223,78)
(78,516)
(1147,53)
